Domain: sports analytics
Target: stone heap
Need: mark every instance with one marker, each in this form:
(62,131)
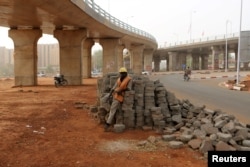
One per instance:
(150,106)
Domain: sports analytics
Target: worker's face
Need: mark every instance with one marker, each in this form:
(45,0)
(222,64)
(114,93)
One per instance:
(123,74)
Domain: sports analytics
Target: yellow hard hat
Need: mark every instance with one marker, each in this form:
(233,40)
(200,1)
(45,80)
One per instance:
(123,69)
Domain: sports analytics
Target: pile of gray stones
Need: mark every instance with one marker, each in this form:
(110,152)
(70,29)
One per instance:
(149,106)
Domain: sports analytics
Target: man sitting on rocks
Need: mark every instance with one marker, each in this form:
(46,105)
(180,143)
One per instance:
(122,84)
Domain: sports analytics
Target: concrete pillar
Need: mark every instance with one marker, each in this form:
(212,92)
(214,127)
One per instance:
(245,66)
(178,62)
(182,61)
(167,62)
(172,61)
(70,45)
(157,61)
(189,60)
(215,58)
(86,58)
(148,58)
(110,55)
(204,62)
(120,62)
(195,62)
(137,59)
(25,55)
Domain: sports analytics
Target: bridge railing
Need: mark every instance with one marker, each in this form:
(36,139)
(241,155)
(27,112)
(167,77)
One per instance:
(201,40)
(116,21)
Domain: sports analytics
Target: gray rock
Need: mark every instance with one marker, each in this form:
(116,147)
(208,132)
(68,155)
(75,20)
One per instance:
(242,132)
(238,138)
(213,137)
(179,125)
(224,137)
(169,130)
(118,128)
(197,123)
(220,124)
(209,112)
(186,131)
(229,127)
(168,137)
(205,121)
(175,144)
(246,143)
(209,129)
(206,146)
(152,139)
(199,133)
(243,148)
(186,138)
(177,118)
(232,142)
(222,146)
(142,143)
(248,126)
(195,143)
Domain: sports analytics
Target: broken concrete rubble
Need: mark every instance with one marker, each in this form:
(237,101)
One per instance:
(243,85)
(150,106)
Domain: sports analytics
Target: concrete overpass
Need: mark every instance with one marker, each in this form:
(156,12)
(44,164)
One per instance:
(204,53)
(76,24)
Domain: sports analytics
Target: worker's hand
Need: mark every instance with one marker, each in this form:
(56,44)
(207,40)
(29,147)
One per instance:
(117,91)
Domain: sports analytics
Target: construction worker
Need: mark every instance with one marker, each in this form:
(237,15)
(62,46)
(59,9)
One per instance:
(122,84)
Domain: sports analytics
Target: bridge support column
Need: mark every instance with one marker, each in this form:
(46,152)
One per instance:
(181,61)
(204,62)
(70,44)
(137,59)
(25,55)
(196,62)
(167,63)
(86,58)
(215,58)
(172,61)
(157,62)
(110,55)
(148,57)
(245,66)
(120,62)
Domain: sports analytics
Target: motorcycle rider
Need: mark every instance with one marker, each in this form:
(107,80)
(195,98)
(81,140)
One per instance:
(187,73)
(122,84)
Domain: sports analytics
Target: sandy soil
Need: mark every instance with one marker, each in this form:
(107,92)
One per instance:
(40,126)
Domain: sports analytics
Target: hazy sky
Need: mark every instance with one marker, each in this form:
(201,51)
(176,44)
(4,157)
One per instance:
(169,20)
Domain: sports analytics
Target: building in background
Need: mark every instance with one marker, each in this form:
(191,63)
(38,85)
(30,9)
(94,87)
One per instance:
(48,59)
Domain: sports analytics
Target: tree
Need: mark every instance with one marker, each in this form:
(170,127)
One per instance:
(97,60)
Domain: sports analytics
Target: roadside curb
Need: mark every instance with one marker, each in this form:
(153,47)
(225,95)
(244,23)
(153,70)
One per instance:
(202,77)
(214,77)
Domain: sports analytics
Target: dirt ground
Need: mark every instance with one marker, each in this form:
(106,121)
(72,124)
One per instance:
(40,126)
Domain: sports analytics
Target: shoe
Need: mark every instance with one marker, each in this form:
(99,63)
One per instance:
(106,127)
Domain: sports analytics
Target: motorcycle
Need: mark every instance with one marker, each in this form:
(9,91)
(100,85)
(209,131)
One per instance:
(186,77)
(60,81)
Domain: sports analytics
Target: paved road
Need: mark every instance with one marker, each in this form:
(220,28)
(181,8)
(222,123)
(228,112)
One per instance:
(210,93)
